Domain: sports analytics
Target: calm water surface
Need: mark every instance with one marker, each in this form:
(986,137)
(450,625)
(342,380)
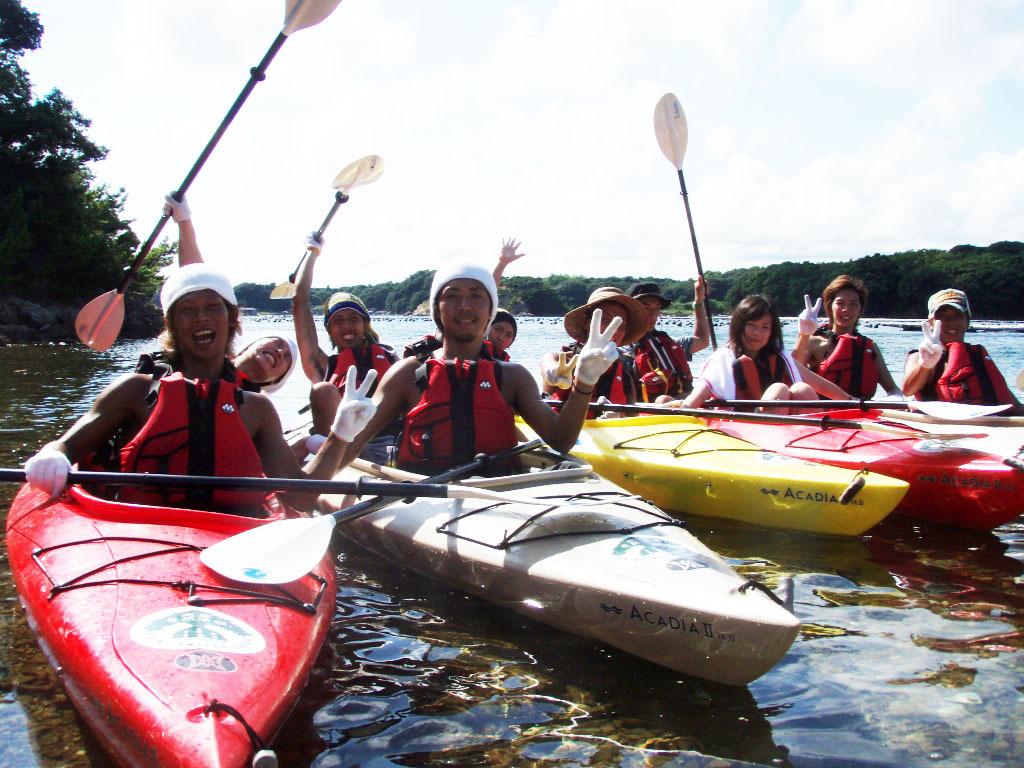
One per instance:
(910,652)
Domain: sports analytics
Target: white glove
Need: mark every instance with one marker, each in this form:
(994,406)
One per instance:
(807,321)
(599,352)
(314,242)
(355,409)
(48,471)
(179,211)
(559,374)
(930,349)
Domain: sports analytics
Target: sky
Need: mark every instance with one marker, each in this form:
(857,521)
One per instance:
(818,131)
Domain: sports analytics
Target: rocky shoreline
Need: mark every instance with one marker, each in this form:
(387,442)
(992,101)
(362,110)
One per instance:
(26,322)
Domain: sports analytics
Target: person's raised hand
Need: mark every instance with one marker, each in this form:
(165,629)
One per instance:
(599,352)
(314,243)
(48,471)
(355,409)
(177,209)
(508,251)
(700,291)
(558,373)
(807,321)
(930,349)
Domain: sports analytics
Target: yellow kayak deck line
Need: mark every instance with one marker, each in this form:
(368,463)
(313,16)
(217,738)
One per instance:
(682,465)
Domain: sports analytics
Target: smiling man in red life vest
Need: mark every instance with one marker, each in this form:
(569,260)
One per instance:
(946,367)
(458,403)
(200,423)
(662,363)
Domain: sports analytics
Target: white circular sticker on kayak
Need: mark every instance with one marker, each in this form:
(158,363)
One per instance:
(189,628)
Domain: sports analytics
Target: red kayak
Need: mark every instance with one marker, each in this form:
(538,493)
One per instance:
(169,663)
(948,483)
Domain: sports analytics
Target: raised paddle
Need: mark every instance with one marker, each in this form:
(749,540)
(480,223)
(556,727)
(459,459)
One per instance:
(935,409)
(99,322)
(671,132)
(824,422)
(284,551)
(362,171)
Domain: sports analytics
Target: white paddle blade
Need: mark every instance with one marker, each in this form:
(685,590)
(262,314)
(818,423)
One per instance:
(283,291)
(275,553)
(939,409)
(362,171)
(299,14)
(670,129)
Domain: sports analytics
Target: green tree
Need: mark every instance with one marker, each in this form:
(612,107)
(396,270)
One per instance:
(55,222)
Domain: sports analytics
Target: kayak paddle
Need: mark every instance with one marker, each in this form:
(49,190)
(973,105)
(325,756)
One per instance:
(363,171)
(99,322)
(934,408)
(824,422)
(671,132)
(284,551)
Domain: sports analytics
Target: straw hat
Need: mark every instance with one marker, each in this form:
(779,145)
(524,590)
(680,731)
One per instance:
(577,321)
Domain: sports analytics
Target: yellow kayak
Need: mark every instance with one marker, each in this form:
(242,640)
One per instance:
(680,464)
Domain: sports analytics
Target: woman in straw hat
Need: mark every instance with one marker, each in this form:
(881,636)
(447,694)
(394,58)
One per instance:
(616,384)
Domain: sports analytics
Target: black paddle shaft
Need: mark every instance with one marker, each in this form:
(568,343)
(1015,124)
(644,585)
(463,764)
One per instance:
(256,75)
(696,256)
(455,473)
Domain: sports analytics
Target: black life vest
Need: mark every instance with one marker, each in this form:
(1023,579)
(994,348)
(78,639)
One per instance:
(195,428)
(461,413)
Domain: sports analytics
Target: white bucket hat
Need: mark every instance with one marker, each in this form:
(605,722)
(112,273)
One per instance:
(445,275)
(192,278)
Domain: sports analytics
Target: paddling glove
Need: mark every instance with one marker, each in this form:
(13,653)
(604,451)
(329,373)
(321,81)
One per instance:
(314,242)
(178,211)
(599,352)
(559,374)
(355,409)
(48,471)
(930,349)
(807,321)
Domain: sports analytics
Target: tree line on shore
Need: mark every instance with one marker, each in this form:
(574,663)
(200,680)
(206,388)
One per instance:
(899,285)
(64,240)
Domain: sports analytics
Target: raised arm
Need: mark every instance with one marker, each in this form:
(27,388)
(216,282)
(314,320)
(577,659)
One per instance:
(507,256)
(701,326)
(807,324)
(188,246)
(314,359)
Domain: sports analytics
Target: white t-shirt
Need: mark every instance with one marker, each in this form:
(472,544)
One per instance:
(718,372)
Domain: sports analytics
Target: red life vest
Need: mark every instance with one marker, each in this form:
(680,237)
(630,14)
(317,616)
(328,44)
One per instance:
(661,366)
(852,365)
(489,350)
(613,385)
(753,377)
(966,374)
(461,413)
(372,355)
(195,429)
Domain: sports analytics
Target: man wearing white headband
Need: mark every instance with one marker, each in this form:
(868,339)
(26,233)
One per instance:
(458,404)
(199,419)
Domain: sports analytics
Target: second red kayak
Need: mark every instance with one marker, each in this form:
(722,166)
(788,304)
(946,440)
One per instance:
(949,483)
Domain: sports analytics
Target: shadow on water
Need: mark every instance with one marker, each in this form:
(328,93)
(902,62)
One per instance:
(443,678)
